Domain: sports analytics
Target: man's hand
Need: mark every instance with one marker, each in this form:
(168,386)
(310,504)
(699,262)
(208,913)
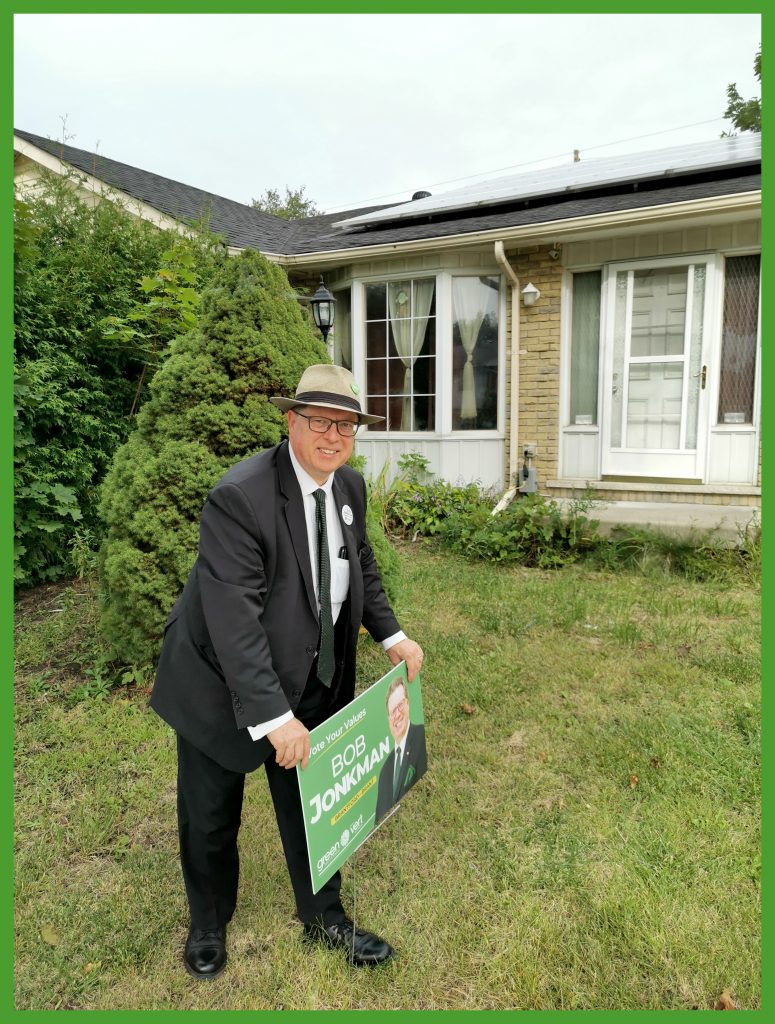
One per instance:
(291,741)
(408,651)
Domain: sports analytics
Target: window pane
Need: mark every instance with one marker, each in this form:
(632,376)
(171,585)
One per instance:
(424,376)
(376,304)
(738,345)
(475,353)
(400,299)
(658,312)
(585,347)
(654,405)
(400,378)
(697,275)
(424,417)
(376,340)
(376,377)
(426,329)
(377,407)
(399,414)
(340,335)
(400,332)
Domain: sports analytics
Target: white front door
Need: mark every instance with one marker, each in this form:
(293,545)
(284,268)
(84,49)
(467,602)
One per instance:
(656,385)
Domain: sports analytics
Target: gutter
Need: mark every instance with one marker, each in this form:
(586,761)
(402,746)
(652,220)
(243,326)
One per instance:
(500,256)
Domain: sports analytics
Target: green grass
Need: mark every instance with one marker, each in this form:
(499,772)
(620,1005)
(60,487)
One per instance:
(587,837)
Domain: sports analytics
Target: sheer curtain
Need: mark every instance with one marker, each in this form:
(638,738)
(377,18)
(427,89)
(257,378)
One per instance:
(409,334)
(471,302)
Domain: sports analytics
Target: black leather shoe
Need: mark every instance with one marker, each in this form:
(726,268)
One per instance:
(205,955)
(363,949)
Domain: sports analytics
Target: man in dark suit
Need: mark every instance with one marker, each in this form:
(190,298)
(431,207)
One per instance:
(260,648)
(407,761)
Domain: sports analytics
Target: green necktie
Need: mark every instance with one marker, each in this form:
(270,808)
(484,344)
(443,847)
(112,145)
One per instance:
(326,660)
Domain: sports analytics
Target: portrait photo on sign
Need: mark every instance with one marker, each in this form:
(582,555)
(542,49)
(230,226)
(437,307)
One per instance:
(407,760)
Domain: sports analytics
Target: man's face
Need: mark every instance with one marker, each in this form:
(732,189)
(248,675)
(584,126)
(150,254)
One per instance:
(398,713)
(320,454)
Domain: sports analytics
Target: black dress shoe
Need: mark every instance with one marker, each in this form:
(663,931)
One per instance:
(205,955)
(364,949)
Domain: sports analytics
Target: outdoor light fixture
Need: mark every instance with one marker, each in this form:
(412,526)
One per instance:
(530,294)
(323,303)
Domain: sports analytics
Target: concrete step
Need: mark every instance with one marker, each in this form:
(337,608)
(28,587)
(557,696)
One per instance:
(728,523)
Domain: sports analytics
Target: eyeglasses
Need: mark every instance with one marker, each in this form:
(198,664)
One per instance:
(398,708)
(321,425)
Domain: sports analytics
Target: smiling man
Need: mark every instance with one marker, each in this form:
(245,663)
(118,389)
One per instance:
(407,761)
(260,648)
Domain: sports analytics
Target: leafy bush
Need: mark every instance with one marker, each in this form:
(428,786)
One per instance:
(76,267)
(531,531)
(387,559)
(208,409)
(412,509)
(416,505)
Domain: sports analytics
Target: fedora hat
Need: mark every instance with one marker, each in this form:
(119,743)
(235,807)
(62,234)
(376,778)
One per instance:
(331,387)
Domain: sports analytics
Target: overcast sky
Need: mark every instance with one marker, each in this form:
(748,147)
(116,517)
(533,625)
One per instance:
(359,108)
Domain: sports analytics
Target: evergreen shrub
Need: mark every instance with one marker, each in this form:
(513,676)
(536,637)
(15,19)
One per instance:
(78,267)
(208,409)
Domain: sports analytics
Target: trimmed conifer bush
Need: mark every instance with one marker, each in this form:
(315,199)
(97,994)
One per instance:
(208,409)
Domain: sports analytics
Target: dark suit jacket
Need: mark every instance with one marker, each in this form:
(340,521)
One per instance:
(415,757)
(241,639)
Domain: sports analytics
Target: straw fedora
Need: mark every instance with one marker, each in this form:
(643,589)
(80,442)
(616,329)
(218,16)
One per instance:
(331,387)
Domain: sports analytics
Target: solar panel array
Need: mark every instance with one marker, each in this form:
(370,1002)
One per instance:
(576,176)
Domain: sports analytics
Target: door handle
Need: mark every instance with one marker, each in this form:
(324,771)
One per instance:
(703,375)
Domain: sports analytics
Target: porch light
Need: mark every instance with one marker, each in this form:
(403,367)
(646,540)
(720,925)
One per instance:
(530,294)
(323,303)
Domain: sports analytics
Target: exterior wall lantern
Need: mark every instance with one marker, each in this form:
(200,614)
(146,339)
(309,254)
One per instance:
(530,294)
(323,309)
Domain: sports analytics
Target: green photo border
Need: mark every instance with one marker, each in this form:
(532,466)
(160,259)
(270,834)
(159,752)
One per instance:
(7,11)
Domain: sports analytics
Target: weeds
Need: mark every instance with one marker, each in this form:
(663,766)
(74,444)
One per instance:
(535,532)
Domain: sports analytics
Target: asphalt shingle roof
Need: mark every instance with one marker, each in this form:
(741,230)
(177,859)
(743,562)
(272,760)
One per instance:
(241,224)
(245,227)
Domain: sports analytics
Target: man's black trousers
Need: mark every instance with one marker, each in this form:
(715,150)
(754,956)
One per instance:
(209,815)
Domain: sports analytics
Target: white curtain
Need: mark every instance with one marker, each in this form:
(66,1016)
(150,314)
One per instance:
(409,332)
(471,301)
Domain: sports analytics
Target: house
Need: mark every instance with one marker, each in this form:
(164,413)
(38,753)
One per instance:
(597,322)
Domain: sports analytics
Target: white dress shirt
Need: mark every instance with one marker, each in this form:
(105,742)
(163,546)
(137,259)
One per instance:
(340,567)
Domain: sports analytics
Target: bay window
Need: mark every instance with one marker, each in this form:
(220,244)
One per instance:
(431,351)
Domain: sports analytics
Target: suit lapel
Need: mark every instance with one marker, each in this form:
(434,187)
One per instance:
(296,519)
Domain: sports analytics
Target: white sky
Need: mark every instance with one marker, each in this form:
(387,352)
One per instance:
(359,108)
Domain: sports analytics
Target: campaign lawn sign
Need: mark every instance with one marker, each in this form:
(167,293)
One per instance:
(339,786)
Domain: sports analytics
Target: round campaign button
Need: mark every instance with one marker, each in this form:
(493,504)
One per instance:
(347,514)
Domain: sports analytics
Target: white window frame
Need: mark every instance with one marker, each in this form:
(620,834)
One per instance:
(443,379)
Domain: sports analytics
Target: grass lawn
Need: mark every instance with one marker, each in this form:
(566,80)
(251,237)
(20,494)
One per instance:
(587,835)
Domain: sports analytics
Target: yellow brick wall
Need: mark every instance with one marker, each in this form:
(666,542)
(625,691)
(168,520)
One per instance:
(539,361)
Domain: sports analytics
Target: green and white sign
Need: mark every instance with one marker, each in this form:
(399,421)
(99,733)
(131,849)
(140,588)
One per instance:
(362,761)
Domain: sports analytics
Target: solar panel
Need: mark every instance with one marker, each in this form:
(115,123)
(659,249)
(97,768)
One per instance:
(576,176)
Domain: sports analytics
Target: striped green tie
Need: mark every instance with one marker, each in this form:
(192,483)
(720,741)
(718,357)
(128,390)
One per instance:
(326,661)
